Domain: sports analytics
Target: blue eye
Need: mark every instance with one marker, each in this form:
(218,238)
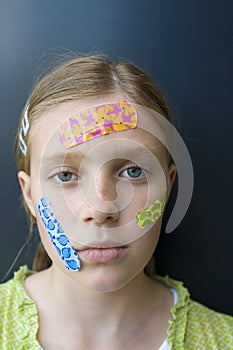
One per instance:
(133,172)
(66,176)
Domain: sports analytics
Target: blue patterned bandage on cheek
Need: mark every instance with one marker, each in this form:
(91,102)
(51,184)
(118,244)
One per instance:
(57,236)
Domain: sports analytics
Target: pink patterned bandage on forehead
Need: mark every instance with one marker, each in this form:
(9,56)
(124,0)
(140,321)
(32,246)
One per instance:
(97,121)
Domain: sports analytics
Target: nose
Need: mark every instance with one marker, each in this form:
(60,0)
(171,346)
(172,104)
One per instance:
(92,215)
(100,205)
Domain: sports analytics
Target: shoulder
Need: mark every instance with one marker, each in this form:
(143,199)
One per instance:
(12,291)
(195,326)
(209,327)
(16,309)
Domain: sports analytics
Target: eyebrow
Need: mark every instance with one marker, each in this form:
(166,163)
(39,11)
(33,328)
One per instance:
(60,156)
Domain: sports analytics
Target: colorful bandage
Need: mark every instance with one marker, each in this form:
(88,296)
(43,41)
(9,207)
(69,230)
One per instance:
(57,236)
(97,121)
(152,213)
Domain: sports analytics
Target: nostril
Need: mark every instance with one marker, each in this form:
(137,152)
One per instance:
(88,219)
(98,219)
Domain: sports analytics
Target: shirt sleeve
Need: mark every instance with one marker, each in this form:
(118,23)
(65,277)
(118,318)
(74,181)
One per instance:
(208,329)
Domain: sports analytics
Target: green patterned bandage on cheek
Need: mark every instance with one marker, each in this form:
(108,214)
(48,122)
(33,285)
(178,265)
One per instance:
(151,213)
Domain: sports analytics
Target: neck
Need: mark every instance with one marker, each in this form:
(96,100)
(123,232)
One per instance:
(73,301)
(88,317)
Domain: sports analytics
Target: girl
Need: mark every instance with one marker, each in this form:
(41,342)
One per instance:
(96,174)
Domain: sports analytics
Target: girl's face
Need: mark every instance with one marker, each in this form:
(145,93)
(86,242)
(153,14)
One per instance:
(96,190)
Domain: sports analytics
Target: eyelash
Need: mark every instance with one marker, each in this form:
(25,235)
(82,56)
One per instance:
(134,166)
(65,172)
(72,181)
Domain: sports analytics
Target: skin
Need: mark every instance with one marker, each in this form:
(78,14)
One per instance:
(96,308)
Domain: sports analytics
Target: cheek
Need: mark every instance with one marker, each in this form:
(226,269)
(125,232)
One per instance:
(150,239)
(48,246)
(137,202)
(145,246)
(45,239)
(36,191)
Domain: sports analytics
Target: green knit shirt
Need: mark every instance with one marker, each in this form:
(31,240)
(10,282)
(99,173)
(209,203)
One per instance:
(192,325)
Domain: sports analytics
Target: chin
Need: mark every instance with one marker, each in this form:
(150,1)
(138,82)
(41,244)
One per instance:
(106,279)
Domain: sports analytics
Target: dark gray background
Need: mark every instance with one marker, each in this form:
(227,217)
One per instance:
(187,47)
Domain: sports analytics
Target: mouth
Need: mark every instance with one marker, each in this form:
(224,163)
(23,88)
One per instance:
(102,252)
(101,245)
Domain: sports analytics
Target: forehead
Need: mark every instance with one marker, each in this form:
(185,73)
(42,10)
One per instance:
(45,132)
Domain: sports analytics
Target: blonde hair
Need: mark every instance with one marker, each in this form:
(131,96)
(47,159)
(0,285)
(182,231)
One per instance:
(76,79)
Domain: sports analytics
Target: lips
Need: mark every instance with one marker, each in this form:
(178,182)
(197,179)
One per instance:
(99,244)
(102,252)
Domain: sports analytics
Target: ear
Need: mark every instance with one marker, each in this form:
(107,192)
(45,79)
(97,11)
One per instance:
(25,184)
(171,178)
